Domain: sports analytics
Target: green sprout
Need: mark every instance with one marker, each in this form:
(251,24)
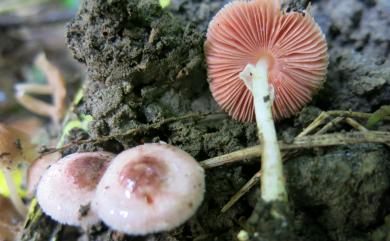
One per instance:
(17,176)
(165,3)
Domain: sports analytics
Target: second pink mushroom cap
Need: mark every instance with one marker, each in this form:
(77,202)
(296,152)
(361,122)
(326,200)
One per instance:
(68,187)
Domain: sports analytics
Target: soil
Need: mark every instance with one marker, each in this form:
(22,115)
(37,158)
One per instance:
(146,64)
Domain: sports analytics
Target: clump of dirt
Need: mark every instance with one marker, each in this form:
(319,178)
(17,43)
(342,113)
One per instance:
(356,81)
(198,12)
(359,69)
(344,189)
(359,25)
(271,221)
(146,64)
(151,67)
(134,42)
(382,233)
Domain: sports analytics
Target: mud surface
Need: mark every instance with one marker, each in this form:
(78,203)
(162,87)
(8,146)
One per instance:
(351,189)
(146,64)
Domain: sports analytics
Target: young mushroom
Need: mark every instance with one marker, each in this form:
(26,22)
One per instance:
(68,187)
(265,64)
(38,168)
(15,148)
(149,188)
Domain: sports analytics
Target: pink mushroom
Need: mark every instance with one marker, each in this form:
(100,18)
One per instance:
(265,64)
(149,188)
(68,187)
(292,45)
(38,168)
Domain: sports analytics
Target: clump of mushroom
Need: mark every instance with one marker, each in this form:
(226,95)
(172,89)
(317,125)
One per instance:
(145,189)
(67,188)
(265,64)
(15,148)
(149,188)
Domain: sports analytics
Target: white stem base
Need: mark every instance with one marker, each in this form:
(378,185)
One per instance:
(13,193)
(272,180)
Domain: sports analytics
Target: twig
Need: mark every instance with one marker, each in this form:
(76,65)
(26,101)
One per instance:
(317,122)
(337,113)
(255,179)
(355,124)
(336,139)
(324,140)
(141,129)
(340,114)
(232,157)
(353,114)
(55,86)
(329,125)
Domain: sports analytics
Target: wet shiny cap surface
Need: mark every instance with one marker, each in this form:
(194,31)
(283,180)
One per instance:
(149,188)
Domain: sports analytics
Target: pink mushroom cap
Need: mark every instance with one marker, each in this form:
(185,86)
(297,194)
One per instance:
(149,188)
(68,187)
(292,43)
(38,168)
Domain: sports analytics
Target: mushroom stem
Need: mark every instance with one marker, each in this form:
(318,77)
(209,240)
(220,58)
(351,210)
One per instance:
(13,193)
(272,180)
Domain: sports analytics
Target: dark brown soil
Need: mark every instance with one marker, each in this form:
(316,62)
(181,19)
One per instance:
(146,64)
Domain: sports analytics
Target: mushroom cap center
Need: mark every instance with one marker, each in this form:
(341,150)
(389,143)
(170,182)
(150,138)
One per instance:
(267,56)
(143,178)
(86,172)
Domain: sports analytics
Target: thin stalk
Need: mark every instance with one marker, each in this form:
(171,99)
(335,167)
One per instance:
(272,180)
(13,193)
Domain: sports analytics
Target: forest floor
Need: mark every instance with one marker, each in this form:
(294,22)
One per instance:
(153,61)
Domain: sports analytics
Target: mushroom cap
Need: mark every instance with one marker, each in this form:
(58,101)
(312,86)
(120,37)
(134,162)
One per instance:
(15,147)
(243,32)
(149,188)
(68,187)
(38,168)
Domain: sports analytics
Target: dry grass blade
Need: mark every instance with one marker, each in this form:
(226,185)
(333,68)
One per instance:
(303,142)
(255,179)
(55,87)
